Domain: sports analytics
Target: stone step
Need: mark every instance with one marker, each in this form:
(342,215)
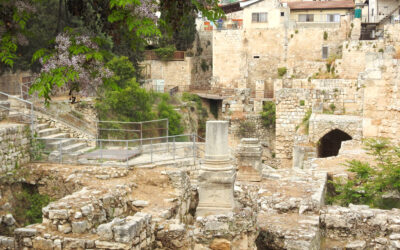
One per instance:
(42,126)
(58,135)
(48,131)
(74,156)
(74,147)
(56,144)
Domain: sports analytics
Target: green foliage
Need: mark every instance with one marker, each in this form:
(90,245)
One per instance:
(282,71)
(201,111)
(247,128)
(371,180)
(29,205)
(325,35)
(380,50)
(268,115)
(122,99)
(302,102)
(165,53)
(36,148)
(204,66)
(165,110)
(306,121)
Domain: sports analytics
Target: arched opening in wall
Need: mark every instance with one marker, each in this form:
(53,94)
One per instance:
(331,142)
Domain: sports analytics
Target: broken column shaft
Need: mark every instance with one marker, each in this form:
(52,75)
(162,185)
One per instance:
(217,174)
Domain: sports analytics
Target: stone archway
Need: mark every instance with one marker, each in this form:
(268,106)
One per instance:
(330,143)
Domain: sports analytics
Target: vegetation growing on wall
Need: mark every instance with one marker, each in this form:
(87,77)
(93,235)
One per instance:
(29,204)
(201,111)
(282,71)
(165,53)
(122,99)
(247,128)
(268,115)
(372,183)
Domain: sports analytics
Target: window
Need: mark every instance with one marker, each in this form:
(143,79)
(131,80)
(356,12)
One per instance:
(324,52)
(306,17)
(282,13)
(256,57)
(259,17)
(333,18)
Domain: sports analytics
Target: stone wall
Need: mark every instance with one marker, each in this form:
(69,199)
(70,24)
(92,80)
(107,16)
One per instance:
(361,227)
(289,114)
(201,72)
(174,73)
(321,124)
(381,110)
(15,146)
(255,54)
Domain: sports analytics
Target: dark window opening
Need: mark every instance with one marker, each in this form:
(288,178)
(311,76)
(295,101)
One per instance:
(329,144)
(282,13)
(256,56)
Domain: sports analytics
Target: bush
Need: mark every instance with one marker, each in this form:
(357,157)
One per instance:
(268,115)
(302,103)
(30,204)
(122,99)
(325,35)
(282,71)
(165,53)
(371,181)
(166,110)
(247,128)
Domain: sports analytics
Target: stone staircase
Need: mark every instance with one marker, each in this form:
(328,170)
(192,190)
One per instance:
(59,145)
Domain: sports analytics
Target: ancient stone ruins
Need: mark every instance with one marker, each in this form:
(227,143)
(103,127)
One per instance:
(292,91)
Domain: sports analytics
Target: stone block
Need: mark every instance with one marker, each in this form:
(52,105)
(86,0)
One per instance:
(79,226)
(127,232)
(61,214)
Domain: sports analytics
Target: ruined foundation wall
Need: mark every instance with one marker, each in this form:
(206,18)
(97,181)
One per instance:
(362,226)
(15,144)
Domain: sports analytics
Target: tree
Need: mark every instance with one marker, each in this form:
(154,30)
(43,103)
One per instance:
(371,181)
(125,25)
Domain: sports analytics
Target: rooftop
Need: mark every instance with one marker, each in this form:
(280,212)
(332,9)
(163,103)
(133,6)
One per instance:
(314,5)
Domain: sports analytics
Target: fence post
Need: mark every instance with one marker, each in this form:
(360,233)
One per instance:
(141,135)
(194,149)
(127,152)
(101,152)
(151,150)
(174,148)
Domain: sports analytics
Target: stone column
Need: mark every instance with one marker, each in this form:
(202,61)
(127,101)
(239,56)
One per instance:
(217,174)
(249,160)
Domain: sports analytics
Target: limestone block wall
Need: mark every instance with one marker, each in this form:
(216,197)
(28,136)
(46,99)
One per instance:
(321,124)
(201,72)
(370,227)
(14,146)
(289,114)
(174,73)
(381,81)
(353,57)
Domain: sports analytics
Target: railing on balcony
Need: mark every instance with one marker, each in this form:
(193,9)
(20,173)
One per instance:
(151,55)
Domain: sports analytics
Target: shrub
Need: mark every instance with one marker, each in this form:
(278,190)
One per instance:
(302,102)
(325,35)
(30,204)
(166,110)
(247,128)
(204,66)
(381,50)
(282,71)
(268,115)
(306,121)
(371,181)
(165,53)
